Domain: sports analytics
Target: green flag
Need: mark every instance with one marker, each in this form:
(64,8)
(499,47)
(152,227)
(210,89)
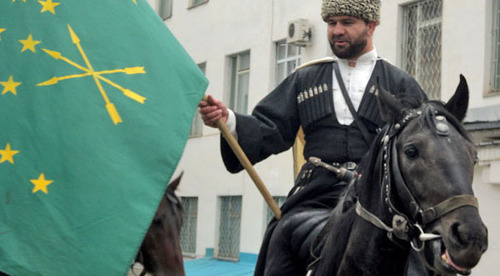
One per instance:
(97,98)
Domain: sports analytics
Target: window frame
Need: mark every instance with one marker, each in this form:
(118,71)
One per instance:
(187,216)
(228,209)
(494,80)
(238,100)
(421,27)
(159,5)
(197,123)
(285,60)
(192,3)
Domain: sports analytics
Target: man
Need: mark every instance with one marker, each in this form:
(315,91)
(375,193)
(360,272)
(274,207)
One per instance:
(312,98)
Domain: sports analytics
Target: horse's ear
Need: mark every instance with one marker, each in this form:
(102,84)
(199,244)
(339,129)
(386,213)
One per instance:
(459,103)
(175,183)
(389,107)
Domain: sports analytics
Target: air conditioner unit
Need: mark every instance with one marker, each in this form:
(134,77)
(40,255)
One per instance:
(299,32)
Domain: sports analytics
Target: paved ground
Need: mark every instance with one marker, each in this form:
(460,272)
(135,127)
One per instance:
(209,266)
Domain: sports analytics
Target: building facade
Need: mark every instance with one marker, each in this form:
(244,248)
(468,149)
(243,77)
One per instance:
(241,45)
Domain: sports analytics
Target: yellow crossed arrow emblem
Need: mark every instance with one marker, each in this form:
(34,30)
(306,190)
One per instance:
(97,76)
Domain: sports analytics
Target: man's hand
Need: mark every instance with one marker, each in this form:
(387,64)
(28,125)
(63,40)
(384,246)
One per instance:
(212,110)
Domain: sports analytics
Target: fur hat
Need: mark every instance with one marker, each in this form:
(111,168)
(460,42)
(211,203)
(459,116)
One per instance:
(365,9)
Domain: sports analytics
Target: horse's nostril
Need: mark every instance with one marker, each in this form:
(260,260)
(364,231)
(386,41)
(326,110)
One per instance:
(455,231)
(464,235)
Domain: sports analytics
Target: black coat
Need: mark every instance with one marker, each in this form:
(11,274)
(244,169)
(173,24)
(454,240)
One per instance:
(305,99)
(274,122)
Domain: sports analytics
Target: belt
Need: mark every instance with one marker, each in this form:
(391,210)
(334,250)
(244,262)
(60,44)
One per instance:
(352,166)
(345,171)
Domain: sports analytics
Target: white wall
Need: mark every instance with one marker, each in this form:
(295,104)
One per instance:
(466,48)
(489,204)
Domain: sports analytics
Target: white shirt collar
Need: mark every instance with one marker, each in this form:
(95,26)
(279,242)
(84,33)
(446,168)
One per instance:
(367,57)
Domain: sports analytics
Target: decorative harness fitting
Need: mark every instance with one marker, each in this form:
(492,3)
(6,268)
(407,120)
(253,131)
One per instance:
(408,227)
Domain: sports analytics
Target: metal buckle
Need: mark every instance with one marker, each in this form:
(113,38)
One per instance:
(350,166)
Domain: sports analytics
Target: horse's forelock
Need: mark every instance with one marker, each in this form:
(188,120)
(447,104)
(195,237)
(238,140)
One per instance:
(432,109)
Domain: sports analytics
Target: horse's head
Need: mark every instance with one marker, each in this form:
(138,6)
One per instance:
(429,163)
(160,252)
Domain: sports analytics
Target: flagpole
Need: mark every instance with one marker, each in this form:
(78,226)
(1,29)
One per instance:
(242,157)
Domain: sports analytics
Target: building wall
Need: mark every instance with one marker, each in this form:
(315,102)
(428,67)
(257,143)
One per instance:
(466,44)
(220,28)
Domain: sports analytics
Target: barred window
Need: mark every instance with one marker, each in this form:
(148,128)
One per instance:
(229,228)
(240,81)
(422,44)
(188,230)
(279,200)
(197,124)
(287,58)
(495,81)
(165,9)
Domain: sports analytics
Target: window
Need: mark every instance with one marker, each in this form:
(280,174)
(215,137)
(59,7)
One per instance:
(195,3)
(229,228)
(240,79)
(165,9)
(188,230)
(287,58)
(197,125)
(421,47)
(495,66)
(269,214)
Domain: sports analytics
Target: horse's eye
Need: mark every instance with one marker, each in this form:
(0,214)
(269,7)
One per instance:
(411,152)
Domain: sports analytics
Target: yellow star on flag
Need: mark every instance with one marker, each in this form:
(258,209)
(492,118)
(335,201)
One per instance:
(48,6)
(41,184)
(29,43)
(10,86)
(1,31)
(8,154)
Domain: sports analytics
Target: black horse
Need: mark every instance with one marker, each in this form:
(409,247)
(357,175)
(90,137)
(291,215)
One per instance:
(160,252)
(414,192)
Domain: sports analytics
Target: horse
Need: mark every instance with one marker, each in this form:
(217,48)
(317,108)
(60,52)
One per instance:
(160,252)
(413,192)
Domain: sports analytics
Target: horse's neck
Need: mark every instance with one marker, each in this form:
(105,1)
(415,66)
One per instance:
(375,253)
(355,247)
(370,252)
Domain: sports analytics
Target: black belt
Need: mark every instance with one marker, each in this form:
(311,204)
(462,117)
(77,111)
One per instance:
(345,171)
(352,166)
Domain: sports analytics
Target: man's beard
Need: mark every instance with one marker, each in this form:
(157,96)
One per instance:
(352,50)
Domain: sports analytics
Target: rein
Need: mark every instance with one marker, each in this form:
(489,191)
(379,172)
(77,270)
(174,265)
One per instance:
(409,227)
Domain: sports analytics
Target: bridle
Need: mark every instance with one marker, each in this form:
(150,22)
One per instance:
(409,226)
(173,202)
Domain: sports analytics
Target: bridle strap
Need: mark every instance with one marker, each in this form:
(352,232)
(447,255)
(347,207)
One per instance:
(430,214)
(365,214)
